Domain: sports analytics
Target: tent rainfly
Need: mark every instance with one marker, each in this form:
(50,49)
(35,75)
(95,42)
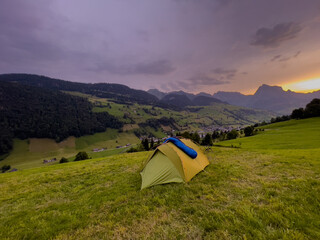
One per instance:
(169,164)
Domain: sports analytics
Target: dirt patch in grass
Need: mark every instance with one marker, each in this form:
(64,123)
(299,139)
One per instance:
(128,127)
(46,144)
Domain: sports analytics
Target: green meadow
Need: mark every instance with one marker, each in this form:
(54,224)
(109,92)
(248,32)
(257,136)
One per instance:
(262,187)
(30,153)
(293,135)
(193,118)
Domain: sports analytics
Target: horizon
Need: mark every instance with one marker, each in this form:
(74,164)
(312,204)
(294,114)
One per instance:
(177,90)
(194,46)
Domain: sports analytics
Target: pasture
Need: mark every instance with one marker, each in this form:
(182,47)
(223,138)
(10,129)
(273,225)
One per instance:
(269,188)
(30,153)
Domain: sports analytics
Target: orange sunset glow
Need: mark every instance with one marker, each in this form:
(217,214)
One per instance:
(309,85)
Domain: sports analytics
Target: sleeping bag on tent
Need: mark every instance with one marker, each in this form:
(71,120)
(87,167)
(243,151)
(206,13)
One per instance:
(170,163)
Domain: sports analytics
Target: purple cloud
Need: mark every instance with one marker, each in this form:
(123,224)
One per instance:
(273,37)
(158,67)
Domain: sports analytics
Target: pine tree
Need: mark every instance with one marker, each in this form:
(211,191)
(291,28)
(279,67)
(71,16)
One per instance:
(207,141)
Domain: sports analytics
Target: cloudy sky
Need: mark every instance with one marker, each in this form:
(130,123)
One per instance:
(191,45)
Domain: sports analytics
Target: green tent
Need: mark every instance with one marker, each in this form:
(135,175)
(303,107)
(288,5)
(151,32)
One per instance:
(169,164)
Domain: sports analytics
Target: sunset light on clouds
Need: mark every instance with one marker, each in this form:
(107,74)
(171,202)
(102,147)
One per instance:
(304,86)
(194,46)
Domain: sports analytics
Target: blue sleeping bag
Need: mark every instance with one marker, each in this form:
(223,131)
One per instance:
(187,150)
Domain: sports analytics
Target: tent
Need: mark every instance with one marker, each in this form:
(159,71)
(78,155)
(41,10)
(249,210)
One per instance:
(168,163)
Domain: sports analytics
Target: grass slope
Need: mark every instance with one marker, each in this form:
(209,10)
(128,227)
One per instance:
(293,135)
(258,191)
(216,114)
(31,153)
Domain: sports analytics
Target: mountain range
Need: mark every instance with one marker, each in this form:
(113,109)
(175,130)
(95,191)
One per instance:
(271,98)
(33,106)
(118,92)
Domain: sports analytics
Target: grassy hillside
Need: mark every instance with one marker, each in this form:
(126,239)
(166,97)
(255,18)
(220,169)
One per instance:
(267,189)
(31,153)
(293,135)
(192,118)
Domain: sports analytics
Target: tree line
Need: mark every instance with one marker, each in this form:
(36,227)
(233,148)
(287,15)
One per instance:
(121,94)
(27,111)
(312,109)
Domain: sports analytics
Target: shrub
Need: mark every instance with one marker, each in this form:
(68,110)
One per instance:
(248,131)
(63,160)
(195,137)
(233,134)
(297,113)
(81,156)
(145,144)
(138,148)
(132,149)
(215,135)
(207,141)
(5,168)
(186,135)
(313,108)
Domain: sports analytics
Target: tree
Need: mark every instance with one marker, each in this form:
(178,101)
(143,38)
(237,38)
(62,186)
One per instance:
(186,135)
(207,141)
(297,113)
(215,135)
(313,108)
(151,143)
(32,112)
(5,168)
(81,156)
(132,149)
(196,137)
(233,134)
(63,160)
(222,136)
(145,144)
(248,131)
(6,137)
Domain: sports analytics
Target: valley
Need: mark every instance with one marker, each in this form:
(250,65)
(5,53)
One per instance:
(75,117)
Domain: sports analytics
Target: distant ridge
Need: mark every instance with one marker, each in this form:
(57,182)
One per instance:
(118,92)
(160,95)
(271,98)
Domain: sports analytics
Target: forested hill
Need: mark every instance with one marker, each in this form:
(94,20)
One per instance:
(119,93)
(28,111)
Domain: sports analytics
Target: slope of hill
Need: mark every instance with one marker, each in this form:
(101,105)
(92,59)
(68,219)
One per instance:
(182,100)
(27,112)
(178,100)
(266,189)
(160,95)
(204,101)
(41,111)
(118,92)
(188,118)
(293,134)
(234,98)
(31,152)
(156,93)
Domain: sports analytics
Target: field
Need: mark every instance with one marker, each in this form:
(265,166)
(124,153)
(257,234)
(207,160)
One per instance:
(31,153)
(269,188)
(294,135)
(193,118)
